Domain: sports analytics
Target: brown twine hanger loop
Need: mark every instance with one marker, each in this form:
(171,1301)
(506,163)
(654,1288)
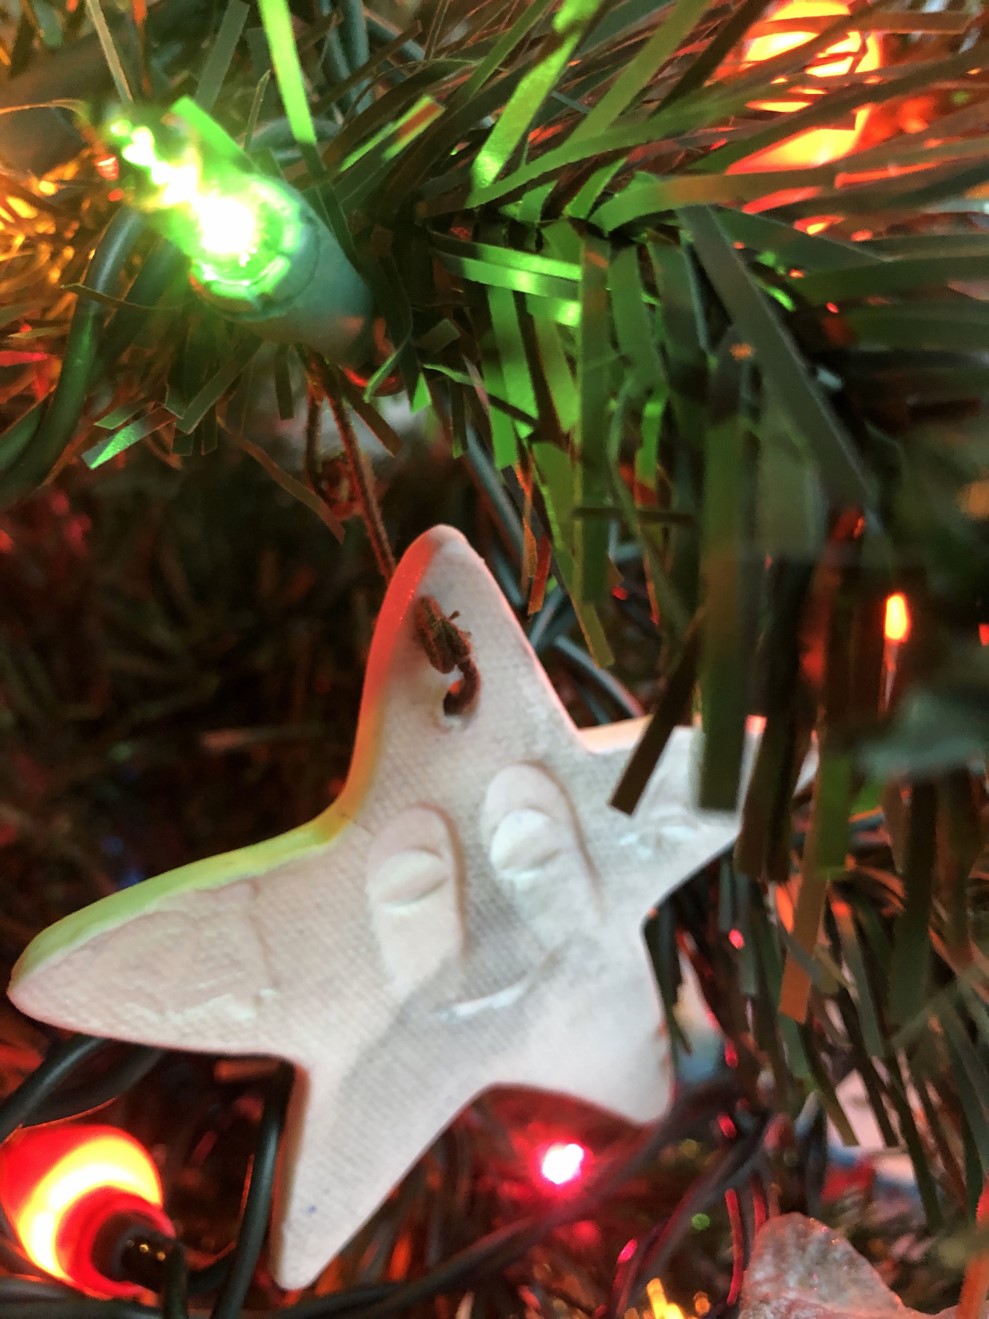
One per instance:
(447,648)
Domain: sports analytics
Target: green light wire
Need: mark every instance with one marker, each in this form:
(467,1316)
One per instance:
(40,436)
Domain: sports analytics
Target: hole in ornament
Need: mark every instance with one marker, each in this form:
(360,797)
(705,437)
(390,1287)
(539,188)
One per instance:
(452,702)
(462,694)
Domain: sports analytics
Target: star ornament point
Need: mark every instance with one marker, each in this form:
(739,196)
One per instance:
(467,913)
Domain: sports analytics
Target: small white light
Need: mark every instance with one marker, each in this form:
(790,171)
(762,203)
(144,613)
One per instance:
(562,1163)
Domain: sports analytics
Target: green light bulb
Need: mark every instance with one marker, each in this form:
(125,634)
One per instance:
(228,226)
(242,243)
(256,248)
(140,149)
(237,228)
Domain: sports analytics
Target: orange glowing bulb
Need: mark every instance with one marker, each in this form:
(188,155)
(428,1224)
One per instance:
(897,625)
(60,1184)
(660,1307)
(856,52)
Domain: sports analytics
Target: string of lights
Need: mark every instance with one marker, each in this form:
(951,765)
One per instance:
(94,1215)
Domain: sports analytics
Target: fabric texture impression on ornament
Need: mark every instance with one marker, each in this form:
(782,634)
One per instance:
(467,913)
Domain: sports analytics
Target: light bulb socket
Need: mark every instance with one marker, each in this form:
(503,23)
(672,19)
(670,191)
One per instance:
(94,1237)
(309,292)
(139,1255)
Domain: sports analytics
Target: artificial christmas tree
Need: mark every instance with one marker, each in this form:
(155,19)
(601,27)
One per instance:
(558,276)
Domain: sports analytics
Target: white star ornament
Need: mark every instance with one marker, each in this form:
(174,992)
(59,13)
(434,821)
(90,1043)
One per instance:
(467,913)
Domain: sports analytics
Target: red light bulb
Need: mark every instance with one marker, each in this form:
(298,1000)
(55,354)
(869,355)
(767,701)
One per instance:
(561,1163)
(61,1185)
(108,167)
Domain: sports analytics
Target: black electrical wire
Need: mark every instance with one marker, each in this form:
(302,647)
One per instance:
(175,1285)
(383,32)
(336,64)
(354,34)
(57,1067)
(257,1202)
(506,574)
(557,614)
(48,1302)
(812,1159)
(159,269)
(276,136)
(30,1289)
(578,659)
(495,492)
(210,1276)
(16,1110)
(339,1303)
(335,59)
(24,443)
(38,439)
(692,1109)
(653,1253)
(553,620)
(593,704)
(73,1101)
(357,44)
(38,1099)
(148,1260)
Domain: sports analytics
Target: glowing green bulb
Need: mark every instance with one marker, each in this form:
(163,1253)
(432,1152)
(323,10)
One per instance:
(140,150)
(228,226)
(258,252)
(241,241)
(118,129)
(239,229)
(179,181)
